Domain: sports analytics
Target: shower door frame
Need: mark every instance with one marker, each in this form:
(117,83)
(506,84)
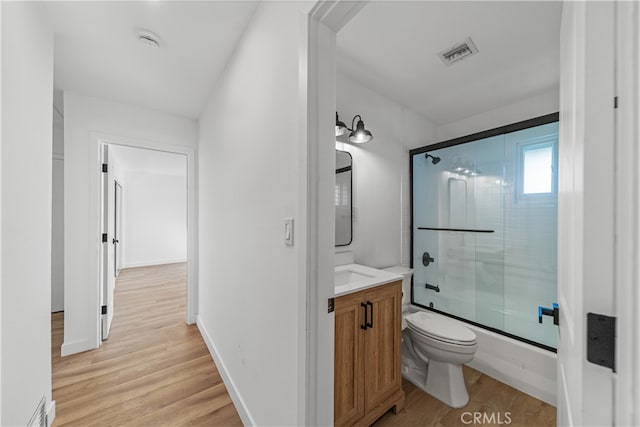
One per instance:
(513,127)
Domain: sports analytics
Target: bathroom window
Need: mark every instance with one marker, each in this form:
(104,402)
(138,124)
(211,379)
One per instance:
(537,170)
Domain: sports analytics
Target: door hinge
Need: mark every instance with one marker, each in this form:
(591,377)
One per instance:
(331,304)
(601,340)
(615,102)
(103,309)
(105,168)
(104,237)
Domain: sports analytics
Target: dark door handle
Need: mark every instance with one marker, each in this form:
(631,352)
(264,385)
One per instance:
(115,241)
(370,304)
(364,320)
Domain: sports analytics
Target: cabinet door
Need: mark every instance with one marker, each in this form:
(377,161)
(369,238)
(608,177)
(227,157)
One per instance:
(382,345)
(349,363)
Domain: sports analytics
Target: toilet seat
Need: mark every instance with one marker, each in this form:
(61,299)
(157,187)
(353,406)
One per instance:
(441,329)
(444,342)
(448,347)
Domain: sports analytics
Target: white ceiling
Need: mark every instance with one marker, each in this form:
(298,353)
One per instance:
(392,47)
(149,161)
(97,52)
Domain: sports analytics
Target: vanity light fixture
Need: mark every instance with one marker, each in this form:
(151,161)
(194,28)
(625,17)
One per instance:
(341,128)
(359,135)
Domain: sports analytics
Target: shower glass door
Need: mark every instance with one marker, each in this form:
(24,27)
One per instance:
(484,230)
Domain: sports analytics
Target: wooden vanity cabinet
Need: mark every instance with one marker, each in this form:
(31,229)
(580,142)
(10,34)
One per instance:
(367,378)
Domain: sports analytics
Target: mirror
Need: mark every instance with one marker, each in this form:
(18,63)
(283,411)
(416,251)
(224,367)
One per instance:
(344,223)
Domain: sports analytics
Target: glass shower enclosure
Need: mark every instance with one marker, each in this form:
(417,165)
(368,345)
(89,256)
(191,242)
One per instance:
(484,228)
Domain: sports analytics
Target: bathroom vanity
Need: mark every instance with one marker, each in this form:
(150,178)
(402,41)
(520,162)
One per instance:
(367,380)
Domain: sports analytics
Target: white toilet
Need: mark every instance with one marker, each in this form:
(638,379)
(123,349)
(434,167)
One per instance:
(434,348)
(445,345)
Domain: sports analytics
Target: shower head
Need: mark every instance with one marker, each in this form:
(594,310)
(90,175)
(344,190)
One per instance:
(434,160)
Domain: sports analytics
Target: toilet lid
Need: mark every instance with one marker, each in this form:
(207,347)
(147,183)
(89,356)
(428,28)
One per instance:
(440,327)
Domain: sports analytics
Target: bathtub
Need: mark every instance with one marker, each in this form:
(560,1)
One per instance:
(527,368)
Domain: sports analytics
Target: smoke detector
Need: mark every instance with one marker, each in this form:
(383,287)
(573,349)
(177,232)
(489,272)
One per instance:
(458,52)
(148,39)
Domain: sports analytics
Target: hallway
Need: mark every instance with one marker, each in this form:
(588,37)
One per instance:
(153,369)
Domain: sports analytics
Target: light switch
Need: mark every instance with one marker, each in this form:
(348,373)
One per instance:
(288,231)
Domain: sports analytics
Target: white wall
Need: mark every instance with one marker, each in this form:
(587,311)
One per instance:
(534,106)
(57,208)
(83,116)
(154,219)
(27,90)
(381,224)
(248,278)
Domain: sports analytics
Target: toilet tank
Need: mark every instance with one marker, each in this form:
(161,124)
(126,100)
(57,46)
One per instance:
(406,274)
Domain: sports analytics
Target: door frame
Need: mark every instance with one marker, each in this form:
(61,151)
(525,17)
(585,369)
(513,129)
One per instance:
(97,141)
(316,124)
(627,216)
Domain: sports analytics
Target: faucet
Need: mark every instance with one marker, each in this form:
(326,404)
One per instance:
(435,288)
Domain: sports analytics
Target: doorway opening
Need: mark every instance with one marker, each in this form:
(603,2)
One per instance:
(146,235)
(117,228)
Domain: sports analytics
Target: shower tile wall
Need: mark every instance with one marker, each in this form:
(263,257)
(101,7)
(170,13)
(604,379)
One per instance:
(496,279)
(531,230)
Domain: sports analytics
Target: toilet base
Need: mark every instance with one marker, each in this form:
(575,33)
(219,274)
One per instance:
(443,381)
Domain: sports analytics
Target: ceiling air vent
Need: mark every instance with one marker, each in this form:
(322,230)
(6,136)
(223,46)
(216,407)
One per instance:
(458,52)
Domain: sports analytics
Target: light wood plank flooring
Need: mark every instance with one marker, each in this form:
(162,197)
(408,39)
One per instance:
(486,395)
(153,370)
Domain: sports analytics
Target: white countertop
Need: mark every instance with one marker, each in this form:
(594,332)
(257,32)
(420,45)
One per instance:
(352,278)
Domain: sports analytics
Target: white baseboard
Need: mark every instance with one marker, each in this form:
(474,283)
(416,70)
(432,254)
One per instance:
(151,263)
(74,347)
(242,409)
(51,413)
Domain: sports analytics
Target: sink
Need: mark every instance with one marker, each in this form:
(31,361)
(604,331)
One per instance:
(346,276)
(355,277)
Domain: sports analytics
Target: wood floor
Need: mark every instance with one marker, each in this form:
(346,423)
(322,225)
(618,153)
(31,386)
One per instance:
(153,370)
(487,396)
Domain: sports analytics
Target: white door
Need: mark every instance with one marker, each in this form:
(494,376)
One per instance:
(108,279)
(585,207)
